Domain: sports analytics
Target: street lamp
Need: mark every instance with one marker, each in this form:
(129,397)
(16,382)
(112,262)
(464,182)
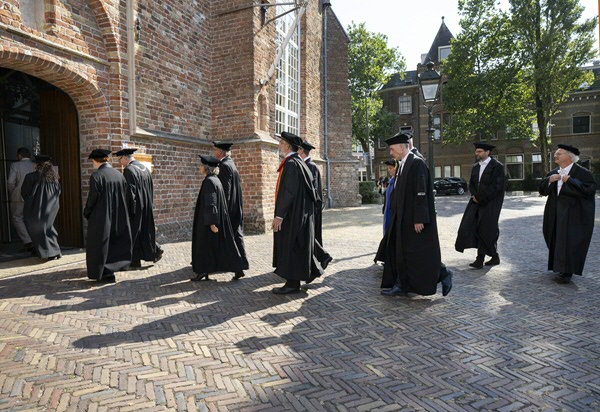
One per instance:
(429,81)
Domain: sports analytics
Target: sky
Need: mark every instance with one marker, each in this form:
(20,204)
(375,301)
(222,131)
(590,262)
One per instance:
(412,26)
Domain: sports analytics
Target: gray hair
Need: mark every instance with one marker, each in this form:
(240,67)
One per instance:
(573,156)
(211,170)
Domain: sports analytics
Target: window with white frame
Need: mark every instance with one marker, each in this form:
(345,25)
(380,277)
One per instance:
(457,171)
(405,105)
(383,170)
(447,171)
(581,123)
(443,52)
(381,143)
(438,172)
(536,165)
(437,127)
(514,166)
(287,84)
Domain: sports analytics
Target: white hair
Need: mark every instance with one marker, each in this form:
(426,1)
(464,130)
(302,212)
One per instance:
(211,170)
(573,156)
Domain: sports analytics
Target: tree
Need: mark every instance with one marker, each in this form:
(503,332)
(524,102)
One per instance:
(553,45)
(371,63)
(507,69)
(485,92)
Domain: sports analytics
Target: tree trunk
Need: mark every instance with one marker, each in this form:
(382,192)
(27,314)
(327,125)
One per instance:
(544,141)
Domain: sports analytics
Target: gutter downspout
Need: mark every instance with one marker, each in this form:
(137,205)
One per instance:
(326,6)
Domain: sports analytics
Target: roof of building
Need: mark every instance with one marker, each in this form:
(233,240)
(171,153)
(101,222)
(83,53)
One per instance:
(410,79)
(442,38)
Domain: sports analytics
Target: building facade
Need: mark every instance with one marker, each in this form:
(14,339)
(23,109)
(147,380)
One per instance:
(169,78)
(577,124)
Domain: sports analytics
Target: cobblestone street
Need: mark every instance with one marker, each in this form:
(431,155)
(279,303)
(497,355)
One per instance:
(507,338)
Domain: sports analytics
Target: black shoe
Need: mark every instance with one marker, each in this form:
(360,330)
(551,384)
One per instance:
(495,260)
(326,263)
(239,275)
(447,283)
(564,278)
(395,291)
(286,290)
(159,255)
(107,279)
(199,277)
(55,257)
(478,264)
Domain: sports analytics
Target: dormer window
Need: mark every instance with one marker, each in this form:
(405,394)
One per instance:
(443,52)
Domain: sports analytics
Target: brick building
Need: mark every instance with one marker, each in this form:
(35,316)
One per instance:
(169,77)
(578,124)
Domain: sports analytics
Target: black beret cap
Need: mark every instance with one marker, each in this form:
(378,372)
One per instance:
(99,154)
(398,138)
(483,145)
(41,158)
(291,138)
(223,145)
(390,162)
(209,160)
(569,148)
(125,152)
(307,146)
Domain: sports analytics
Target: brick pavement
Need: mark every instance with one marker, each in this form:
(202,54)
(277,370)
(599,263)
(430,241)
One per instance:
(506,338)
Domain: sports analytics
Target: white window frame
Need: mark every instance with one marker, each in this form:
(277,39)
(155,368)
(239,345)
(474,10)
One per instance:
(457,171)
(437,172)
(406,98)
(447,171)
(287,83)
(535,162)
(443,50)
(508,162)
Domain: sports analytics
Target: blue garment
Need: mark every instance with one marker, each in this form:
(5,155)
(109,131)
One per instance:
(387,212)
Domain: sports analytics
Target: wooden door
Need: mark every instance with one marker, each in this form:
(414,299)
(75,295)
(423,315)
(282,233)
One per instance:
(59,138)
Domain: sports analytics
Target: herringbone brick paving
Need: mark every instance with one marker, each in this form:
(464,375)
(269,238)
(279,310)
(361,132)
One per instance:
(507,338)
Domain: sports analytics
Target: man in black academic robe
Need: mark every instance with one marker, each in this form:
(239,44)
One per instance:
(304,153)
(213,242)
(141,214)
(413,149)
(293,226)
(41,194)
(410,247)
(479,226)
(569,213)
(108,244)
(232,187)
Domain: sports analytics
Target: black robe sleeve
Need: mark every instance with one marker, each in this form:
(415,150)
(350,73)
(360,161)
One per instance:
(579,188)
(421,202)
(93,197)
(210,204)
(545,187)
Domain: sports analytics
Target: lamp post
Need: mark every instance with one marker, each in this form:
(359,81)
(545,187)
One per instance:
(369,161)
(429,81)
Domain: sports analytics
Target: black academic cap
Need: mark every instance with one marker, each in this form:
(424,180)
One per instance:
(125,152)
(306,146)
(390,162)
(99,154)
(569,148)
(223,145)
(209,160)
(483,145)
(291,138)
(399,138)
(41,158)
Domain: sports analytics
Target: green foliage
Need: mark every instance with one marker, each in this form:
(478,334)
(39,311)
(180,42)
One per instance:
(371,63)
(507,69)
(368,191)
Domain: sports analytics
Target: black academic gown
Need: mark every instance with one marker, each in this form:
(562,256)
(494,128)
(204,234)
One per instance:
(39,212)
(232,187)
(143,231)
(412,259)
(108,245)
(569,220)
(319,204)
(294,245)
(479,225)
(214,252)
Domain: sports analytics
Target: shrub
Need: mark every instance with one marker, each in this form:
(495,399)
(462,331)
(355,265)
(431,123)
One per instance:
(369,193)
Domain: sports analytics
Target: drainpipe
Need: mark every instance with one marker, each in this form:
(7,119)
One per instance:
(326,5)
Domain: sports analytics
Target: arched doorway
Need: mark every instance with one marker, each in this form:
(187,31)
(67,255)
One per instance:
(39,116)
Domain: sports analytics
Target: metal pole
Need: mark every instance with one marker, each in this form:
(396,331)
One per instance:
(430,134)
(369,171)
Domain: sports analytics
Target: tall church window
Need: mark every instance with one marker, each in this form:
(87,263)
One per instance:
(287,85)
